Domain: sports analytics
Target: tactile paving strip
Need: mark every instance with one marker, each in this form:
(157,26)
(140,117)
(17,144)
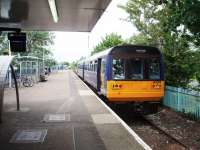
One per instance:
(56,118)
(104,119)
(29,136)
(85,93)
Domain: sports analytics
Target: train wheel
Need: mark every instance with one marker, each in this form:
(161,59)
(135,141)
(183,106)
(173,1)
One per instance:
(151,108)
(154,108)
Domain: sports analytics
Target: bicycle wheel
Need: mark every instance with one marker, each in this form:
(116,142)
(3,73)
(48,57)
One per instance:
(30,82)
(25,83)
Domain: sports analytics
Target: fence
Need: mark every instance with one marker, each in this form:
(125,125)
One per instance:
(182,100)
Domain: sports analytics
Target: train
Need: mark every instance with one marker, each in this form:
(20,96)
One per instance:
(126,74)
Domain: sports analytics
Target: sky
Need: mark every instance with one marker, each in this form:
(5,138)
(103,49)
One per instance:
(70,46)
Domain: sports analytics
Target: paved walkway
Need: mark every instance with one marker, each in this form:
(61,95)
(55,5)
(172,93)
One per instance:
(61,114)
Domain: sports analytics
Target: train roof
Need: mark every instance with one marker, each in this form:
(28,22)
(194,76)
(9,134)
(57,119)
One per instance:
(97,55)
(109,51)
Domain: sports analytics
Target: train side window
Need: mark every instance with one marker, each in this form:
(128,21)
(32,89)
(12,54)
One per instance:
(103,66)
(118,69)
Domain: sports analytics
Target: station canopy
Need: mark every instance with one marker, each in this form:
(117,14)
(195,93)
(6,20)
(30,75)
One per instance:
(52,15)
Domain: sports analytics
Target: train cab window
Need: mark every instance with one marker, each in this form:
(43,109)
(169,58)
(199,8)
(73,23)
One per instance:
(118,69)
(154,68)
(134,68)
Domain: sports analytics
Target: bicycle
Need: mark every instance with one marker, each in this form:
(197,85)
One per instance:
(27,81)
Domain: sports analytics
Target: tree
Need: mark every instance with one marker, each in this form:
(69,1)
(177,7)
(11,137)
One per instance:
(73,65)
(4,47)
(172,26)
(66,63)
(38,43)
(50,62)
(109,41)
(141,39)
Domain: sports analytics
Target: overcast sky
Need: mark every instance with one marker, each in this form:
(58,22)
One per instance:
(70,46)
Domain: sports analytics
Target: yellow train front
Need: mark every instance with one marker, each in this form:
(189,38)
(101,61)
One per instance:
(127,74)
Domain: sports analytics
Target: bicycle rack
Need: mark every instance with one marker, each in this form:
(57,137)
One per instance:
(5,62)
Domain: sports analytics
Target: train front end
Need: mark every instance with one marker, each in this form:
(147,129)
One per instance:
(136,75)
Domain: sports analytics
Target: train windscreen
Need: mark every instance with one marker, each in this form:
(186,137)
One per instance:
(136,68)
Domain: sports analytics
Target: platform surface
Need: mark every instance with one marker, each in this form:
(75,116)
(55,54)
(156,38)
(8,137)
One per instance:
(61,114)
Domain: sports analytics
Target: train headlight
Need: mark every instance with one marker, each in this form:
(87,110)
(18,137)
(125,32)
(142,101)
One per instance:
(156,84)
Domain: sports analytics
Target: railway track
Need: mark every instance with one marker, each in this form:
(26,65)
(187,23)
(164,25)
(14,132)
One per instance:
(154,136)
(165,133)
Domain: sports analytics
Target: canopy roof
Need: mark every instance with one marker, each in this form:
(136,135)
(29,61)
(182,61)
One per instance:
(73,15)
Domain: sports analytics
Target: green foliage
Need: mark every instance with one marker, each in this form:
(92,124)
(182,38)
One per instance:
(73,65)
(172,26)
(66,63)
(37,45)
(4,44)
(50,62)
(141,39)
(109,41)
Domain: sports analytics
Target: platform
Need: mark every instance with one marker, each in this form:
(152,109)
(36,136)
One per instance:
(63,114)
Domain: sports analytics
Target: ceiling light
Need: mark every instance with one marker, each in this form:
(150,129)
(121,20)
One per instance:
(54,12)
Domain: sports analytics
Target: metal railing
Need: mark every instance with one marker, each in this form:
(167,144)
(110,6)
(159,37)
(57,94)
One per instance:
(183,100)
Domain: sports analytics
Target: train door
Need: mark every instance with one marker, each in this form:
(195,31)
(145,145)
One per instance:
(99,74)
